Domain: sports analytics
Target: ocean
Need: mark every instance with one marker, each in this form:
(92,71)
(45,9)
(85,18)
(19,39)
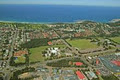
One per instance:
(56,13)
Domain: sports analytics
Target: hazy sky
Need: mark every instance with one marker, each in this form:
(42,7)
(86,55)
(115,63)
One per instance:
(65,2)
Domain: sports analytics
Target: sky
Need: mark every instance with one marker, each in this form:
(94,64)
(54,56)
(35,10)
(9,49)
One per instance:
(115,3)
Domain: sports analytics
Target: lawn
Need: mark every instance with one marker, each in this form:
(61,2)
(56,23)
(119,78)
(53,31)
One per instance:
(100,78)
(36,53)
(20,60)
(0,53)
(82,44)
(116,39)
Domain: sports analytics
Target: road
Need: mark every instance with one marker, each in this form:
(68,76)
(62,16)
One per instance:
(68,45)
(6,70)
(77,51)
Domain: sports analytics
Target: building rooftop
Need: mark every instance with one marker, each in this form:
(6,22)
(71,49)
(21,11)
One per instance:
(80,75)
(116,62)
(49,43)
(78,63)
(20,53)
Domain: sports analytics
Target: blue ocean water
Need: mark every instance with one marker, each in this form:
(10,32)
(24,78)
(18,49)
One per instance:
(57,13)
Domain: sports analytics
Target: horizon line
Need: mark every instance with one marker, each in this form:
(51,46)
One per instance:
(59,4)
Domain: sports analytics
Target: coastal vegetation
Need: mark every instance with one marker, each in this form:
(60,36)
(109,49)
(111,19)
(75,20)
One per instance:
(24,25)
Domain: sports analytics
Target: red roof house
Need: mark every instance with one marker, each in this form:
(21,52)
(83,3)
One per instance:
(116,62)
(80,75)
(97,72)
(97,61)
(20,53)
(78,64)
(49,43)
(45,35)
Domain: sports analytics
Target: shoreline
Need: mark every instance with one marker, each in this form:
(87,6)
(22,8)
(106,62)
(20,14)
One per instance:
(76,21)
(35,22)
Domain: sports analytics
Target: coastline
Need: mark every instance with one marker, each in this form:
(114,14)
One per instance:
(76,21)
(34,22)
(24,22)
